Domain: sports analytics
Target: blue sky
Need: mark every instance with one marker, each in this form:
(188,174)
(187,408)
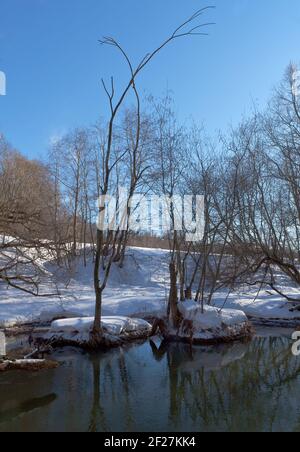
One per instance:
(50,53)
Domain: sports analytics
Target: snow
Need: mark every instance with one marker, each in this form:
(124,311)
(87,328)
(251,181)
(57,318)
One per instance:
(140,288)
(79,325)
(78,330)
(112,325)
(266,308)
(212,322)
(212,316)
(48,315)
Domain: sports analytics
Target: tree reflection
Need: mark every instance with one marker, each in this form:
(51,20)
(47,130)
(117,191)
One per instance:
(27,407)
(97,418)
(110,383)
(237,387)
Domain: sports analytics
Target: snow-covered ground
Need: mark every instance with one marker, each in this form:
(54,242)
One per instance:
(265,308)
(140,287)
(212,323)
(78,330)
(115,325)
(211,317)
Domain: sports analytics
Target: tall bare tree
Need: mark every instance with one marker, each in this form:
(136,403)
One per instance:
(187,29)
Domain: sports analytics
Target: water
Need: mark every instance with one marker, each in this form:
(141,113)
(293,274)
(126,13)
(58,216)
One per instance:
(240,387)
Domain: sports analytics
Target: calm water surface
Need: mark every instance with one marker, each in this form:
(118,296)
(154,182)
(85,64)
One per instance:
(239,387)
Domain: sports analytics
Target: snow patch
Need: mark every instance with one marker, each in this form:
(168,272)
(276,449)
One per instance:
(212,317)
(49,315)
(112,325)
(268,308)
(211,323)
(139,289)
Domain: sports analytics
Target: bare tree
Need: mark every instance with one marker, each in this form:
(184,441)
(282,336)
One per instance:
(266,222)
(168,177)
(187,29)
(138,136)
(26,202)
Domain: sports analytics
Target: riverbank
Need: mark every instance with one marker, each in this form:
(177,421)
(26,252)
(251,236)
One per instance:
(209,326)
(139,289)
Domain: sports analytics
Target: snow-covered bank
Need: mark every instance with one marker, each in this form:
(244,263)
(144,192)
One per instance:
(266,310)
(211,317)
(210,326)
(78,331)
(138,289)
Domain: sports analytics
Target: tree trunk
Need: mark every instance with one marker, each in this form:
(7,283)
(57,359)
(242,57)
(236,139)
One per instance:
(182,280)
(189,293)
(173,297)
(97,330)
(98,309)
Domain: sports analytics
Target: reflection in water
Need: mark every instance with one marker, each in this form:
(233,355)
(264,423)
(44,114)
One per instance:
(239,387)
(97,414)
(253,392)
(26,407)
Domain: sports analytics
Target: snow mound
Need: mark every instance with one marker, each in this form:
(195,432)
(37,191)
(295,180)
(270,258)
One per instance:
(267,310)
(272,309)
(212,324)
(112,325)
(212,317)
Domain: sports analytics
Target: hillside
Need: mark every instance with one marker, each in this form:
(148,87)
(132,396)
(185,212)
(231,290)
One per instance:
(141,286)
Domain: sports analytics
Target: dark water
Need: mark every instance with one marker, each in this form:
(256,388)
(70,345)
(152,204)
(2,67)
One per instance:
(239,387)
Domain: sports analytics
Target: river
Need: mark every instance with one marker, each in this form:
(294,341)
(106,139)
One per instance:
(252,386)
